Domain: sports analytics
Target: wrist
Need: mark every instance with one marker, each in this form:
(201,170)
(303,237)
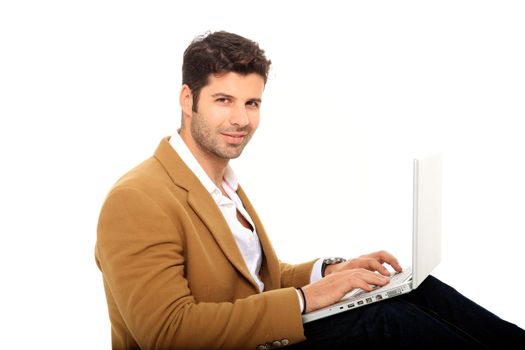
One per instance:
(328,265)
(329,269)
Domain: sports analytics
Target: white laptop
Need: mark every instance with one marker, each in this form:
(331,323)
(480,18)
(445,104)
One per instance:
(426,243)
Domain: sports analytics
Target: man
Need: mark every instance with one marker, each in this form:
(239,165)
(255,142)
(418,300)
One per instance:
(187,263)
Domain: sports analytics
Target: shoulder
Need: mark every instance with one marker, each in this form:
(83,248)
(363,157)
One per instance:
(148,183)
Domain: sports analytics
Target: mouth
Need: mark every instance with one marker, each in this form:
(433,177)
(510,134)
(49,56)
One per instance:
(235,138)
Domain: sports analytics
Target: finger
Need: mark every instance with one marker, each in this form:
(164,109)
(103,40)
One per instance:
(369,262)
(386,257)
(374,265)
(359,283)
(372,277)
(379,280)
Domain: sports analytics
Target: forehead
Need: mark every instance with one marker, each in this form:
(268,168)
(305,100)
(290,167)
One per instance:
(234,84)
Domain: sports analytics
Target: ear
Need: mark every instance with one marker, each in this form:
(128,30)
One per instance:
(186,100)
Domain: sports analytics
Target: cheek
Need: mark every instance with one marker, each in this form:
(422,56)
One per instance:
(215,117)
(254,120)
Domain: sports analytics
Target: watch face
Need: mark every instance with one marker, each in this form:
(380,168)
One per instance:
(331,261)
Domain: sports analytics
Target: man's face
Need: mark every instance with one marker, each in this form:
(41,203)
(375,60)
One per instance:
(227,114)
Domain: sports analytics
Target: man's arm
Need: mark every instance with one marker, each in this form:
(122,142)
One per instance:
(141,252)
(361,272)
(296,275)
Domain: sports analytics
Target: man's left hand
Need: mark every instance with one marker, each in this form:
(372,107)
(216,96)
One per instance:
(373,262)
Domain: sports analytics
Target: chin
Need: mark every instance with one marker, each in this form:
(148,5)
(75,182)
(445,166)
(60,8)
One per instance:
(231,151)
(235,156)
(231,155)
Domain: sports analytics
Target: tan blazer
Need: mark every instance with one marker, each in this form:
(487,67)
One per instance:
(173,275)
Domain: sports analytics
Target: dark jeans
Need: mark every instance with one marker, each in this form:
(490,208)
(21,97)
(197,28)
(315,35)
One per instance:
(434,315)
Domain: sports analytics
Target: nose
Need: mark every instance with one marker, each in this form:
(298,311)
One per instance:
(239,116)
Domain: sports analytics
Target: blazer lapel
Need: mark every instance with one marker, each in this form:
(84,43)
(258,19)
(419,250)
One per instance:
(270,270)
(210,214)
(204,206)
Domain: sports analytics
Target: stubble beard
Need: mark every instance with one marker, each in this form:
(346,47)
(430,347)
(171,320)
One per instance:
(207,138)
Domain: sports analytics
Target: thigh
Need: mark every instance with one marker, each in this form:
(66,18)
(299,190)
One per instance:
(444,302)
(395,323)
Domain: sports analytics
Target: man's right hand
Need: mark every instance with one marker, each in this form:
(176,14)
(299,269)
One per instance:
(333,287)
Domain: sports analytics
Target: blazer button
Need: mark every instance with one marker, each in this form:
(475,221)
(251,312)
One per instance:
(285,342)
(277,344)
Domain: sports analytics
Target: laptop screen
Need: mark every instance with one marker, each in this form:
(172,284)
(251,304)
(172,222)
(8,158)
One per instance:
(426,249)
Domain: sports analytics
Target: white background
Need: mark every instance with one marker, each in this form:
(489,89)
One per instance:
(88,89)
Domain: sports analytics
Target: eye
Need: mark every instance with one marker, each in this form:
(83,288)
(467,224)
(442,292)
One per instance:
(254,104)
(223,100)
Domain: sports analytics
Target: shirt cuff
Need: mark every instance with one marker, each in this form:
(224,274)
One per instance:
(316,271)
(301,303)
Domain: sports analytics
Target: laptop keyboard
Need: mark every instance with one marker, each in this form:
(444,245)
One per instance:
(395,278)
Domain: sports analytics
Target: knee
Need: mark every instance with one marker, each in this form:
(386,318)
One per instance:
(434,284)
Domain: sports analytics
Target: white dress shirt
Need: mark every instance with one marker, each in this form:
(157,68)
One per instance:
(247,240)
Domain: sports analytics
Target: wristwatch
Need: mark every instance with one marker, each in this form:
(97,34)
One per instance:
(330,261)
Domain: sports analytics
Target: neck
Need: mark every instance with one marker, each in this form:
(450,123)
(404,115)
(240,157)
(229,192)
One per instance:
(212,165)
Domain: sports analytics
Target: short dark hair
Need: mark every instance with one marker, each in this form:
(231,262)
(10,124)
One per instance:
(218,53)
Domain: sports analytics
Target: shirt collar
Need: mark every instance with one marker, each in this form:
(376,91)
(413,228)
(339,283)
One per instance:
(229,180)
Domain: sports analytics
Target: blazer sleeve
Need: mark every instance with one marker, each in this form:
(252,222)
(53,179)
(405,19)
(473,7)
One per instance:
(140,252)
(296,275)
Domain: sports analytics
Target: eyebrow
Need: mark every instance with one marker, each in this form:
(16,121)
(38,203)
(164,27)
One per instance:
(222,94)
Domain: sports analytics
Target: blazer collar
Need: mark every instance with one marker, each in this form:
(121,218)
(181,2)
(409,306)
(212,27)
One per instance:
(206,208)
